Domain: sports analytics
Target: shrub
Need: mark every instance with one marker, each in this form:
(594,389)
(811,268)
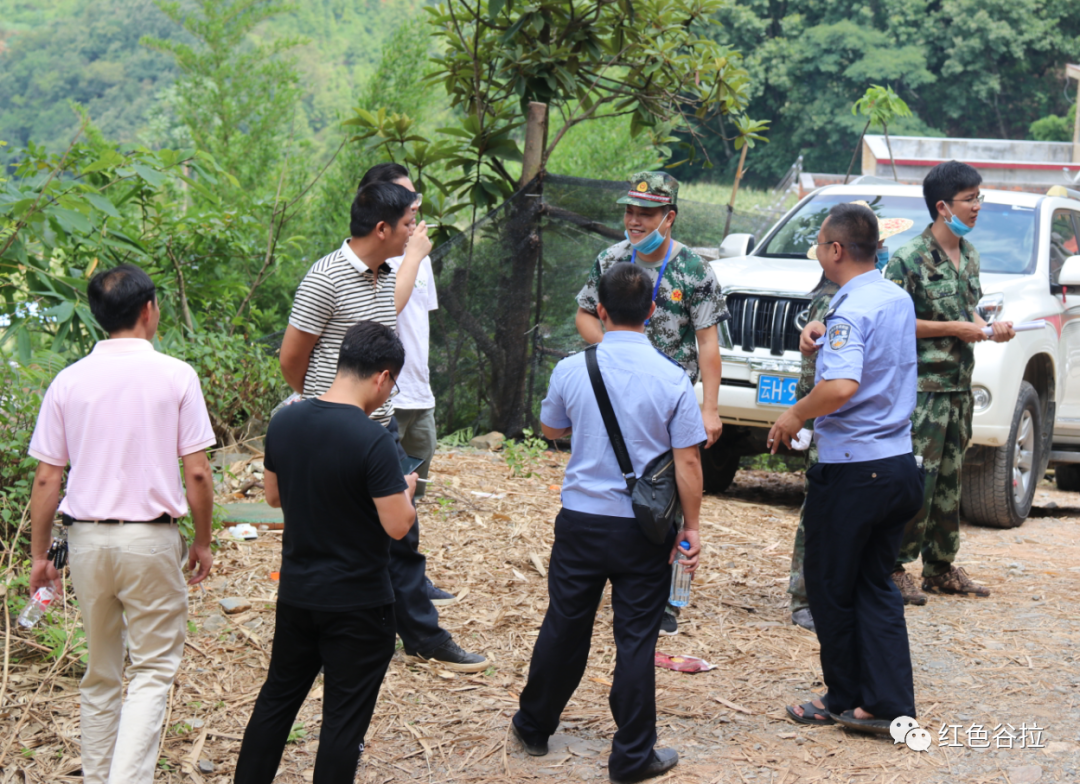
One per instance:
(21,390)
(241,381)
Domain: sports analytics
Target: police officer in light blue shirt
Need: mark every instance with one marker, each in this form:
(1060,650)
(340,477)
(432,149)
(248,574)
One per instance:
(866,484)
(597,537)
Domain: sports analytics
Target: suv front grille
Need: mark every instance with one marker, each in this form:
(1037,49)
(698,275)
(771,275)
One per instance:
(761,321)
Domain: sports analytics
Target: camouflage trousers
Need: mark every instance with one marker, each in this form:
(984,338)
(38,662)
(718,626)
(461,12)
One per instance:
(797,581)
(940,432)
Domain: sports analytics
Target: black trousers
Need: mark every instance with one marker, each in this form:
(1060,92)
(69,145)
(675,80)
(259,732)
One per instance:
(354,647)
(854,521)
(589,550)
(417,618)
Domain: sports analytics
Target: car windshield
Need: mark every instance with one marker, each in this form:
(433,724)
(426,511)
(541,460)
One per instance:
(1004,234)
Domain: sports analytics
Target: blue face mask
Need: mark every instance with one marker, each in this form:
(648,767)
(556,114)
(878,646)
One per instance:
(957,227)
(882,259)
(649,244)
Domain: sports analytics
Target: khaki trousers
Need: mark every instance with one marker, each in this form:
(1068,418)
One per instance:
(131,570)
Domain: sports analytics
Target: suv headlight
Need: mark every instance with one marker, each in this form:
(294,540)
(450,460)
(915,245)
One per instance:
(981,396)
(990,307)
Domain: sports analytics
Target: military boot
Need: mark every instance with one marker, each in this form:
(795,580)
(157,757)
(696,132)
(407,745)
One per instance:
(908,588)
(955,580)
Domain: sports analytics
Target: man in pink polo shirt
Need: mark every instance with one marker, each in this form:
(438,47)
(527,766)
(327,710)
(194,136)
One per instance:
(122,417)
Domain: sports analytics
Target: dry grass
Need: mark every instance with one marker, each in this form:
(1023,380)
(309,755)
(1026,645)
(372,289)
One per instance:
(488,537)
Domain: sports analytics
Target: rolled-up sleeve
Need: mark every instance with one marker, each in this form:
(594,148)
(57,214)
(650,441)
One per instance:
(842,353)
(707,305)
(553,409)
(686,427)
(194,432)
(589,296)
(49,442)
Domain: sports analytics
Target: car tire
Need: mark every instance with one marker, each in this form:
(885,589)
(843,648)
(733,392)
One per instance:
(718,468)
(1067,477)
(999,492)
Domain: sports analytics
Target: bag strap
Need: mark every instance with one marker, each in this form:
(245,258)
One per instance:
(610,422)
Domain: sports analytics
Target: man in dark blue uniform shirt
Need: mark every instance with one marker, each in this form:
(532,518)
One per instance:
(866,484)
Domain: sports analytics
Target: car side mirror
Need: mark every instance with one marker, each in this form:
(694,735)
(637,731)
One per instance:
(736,245)
(1070,272)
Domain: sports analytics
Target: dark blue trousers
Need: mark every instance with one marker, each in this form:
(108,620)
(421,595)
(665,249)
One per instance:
(854,521)
(589,550)
(417,618)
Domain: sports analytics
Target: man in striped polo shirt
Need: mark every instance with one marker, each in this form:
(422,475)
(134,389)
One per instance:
(355,283)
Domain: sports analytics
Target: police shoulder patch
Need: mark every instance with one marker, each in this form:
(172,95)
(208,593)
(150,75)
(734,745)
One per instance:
(838,336)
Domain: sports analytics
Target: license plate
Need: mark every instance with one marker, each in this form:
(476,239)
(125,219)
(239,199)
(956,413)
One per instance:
(776,390)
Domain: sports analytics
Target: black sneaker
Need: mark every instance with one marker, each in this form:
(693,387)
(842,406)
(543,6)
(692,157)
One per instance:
(662,761)
(438,596)
(532,749)
(451,656)
(669,625)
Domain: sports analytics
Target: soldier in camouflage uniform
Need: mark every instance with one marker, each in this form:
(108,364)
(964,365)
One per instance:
(800,604)
(940,271)
(689,305)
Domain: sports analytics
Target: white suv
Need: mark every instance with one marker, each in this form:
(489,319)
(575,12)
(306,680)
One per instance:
(1027,391)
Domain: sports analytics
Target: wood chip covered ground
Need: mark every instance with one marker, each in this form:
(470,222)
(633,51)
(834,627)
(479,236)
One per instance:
(1006,660)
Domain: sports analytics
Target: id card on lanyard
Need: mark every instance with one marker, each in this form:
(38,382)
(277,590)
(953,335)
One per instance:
(660,277)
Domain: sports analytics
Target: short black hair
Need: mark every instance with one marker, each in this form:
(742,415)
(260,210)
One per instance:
(379,201)
(117,296)
(856,228)
(945,181)
(384,172)
(369,348)
(625,291)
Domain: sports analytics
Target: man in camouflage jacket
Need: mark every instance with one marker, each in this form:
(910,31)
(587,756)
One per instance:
(689,305)
(940,271)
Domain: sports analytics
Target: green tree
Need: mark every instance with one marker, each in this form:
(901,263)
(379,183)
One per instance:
(880,106)
(239,97)
(643,61)
(86,52)
(966,68)
(1053,128)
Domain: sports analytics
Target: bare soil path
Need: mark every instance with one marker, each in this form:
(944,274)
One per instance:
(981,666)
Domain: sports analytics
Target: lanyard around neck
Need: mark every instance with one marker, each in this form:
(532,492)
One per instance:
(660,277)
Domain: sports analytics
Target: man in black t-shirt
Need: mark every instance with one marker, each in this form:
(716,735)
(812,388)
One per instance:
(337,476)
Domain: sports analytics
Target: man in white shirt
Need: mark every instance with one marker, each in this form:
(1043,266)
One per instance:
(414,405)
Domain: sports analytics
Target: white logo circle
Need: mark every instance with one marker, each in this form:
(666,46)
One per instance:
(900,727)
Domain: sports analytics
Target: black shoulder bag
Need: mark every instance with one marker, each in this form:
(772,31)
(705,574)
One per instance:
(655,495)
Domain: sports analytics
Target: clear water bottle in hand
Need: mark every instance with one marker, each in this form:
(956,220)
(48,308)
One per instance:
(36,607)
(680,578)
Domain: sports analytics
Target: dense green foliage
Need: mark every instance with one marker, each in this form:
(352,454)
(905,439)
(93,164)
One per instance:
(644,63)
(89,51)
(967,68)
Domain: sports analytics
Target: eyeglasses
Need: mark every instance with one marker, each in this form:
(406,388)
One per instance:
(973,200)
(396,390)
(419,200)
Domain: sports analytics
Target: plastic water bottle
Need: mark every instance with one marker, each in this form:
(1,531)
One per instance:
(36,607)
(680,578)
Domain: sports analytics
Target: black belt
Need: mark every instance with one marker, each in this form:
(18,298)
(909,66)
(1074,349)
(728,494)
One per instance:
(165,518)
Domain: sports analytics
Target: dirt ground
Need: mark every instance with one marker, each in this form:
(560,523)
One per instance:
(980,665)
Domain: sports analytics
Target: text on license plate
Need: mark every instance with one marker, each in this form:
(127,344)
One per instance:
(776,390)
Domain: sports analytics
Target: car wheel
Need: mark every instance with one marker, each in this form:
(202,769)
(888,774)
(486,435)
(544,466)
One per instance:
(718,468)
(998,493)
(1067,477)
